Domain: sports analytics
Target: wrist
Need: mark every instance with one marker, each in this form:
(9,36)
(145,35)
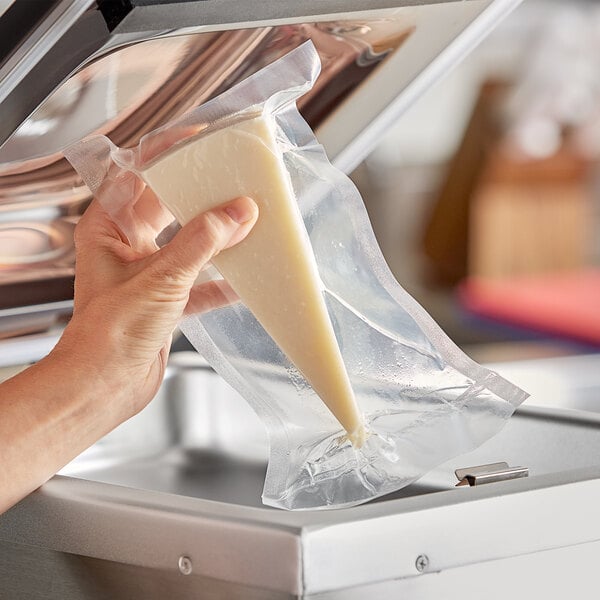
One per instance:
(88,362)
(104,351)
(49,413)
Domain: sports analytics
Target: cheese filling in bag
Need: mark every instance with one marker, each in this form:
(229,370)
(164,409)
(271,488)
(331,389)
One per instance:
(360,392)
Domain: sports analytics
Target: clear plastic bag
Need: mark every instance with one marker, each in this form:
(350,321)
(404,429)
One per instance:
(422,400)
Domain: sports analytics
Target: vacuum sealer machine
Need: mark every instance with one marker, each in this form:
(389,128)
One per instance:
(168,504)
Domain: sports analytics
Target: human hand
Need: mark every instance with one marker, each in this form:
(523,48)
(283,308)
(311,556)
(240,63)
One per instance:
(111,358)
(128,301)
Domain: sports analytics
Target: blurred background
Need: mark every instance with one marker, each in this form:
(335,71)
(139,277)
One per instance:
(485,195)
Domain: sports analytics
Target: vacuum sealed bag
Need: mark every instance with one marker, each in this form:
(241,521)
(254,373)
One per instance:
(360,391)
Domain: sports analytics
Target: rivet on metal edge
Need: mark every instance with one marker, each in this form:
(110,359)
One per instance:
(422,563)
(185,565)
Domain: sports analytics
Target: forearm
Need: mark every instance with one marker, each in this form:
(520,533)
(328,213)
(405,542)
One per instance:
(50,413)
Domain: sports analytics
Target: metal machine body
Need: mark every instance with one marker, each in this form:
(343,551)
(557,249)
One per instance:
(168,505)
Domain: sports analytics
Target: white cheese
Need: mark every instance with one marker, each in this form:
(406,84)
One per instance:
(273,270)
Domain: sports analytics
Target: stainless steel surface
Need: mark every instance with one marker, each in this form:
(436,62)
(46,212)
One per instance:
(34,573)
(5,5)
(24,81)
(28,333)
(351,46)
(37,253)
(482,474)
(183,478)
(64,38)
(216,449)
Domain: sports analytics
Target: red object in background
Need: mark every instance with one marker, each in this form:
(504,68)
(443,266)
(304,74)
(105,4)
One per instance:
(566,304)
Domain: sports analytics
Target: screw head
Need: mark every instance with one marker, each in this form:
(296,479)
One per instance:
(185,565)
(422,563)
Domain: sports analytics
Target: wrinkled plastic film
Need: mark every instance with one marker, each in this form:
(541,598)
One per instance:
(423,400)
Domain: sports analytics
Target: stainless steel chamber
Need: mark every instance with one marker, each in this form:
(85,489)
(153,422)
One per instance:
(168,506)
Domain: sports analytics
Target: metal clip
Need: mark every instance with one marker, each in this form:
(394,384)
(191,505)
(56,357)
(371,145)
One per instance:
(489,474)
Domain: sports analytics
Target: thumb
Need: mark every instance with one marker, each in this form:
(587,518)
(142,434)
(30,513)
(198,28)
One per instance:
(202,238)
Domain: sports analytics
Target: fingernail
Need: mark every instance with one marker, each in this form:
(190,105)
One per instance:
(241,210)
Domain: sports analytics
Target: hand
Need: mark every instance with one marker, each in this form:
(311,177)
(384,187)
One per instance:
(128,301)
(111,358)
